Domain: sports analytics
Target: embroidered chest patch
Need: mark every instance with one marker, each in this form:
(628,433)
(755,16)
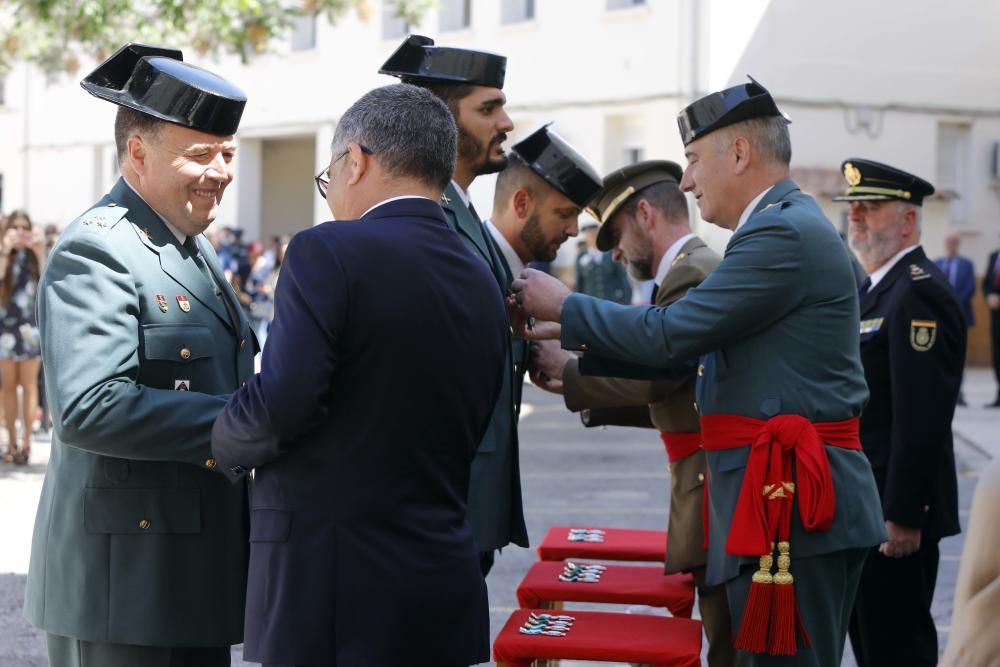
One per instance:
(872,325)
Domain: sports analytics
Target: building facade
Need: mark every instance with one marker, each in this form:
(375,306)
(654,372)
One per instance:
(910,83)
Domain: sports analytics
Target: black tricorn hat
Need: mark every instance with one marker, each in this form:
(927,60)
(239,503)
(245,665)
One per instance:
(868,180)
(156,81)
(417,60)
(559,164)
(725,107)
(620,186)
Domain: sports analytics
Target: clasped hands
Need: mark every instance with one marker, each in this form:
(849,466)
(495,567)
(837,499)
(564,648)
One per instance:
(534,306)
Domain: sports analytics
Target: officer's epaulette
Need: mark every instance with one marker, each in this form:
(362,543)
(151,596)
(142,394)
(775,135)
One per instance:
(780,205)
(102,219)
(918,273)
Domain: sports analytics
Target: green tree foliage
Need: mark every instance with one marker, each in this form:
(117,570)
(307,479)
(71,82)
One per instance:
(56,34)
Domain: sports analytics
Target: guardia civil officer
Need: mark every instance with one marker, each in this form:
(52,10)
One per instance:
(139,552)
(597,273)
(538,197)
(645,223)
(471,84)
(793,506)
(913,337)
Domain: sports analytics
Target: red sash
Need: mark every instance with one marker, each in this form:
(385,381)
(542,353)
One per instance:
(680,445)
(763,515)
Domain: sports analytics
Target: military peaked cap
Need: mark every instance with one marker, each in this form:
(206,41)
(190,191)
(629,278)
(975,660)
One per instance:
(622,184)
(417,60)
(868,180)
(156,82)
(732,105)
(559,164)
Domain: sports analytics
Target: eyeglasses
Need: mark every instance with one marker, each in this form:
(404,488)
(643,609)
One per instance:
(323,178)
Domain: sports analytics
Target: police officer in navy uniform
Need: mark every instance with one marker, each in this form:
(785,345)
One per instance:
(471,84)
(139,554)
(913,338)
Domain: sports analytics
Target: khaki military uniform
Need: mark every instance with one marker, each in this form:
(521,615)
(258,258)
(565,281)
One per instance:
(668,406)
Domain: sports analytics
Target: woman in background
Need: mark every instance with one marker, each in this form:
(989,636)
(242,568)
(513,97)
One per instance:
(22,255)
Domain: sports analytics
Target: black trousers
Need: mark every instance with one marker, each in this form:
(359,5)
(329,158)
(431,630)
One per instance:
(892,624)
(71,652)
(486,560)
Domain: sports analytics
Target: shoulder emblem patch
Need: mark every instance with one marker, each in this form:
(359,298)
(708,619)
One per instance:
(917,273)
(923,333)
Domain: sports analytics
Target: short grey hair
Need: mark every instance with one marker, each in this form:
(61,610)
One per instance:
(918,212)
(768,135)
(409,130)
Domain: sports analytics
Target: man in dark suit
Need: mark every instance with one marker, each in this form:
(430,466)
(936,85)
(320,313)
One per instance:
(140,546)
(780,384)
(597,274)
(913,338)
(962,276)
(991,290)
(375,389)
(646,225)
(471,84)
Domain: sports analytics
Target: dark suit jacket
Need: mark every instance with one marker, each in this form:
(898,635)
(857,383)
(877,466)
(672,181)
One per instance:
(913,340)
(964,285)
(138,538)
(774,325)
(496,511)
(989,280)
(381,369)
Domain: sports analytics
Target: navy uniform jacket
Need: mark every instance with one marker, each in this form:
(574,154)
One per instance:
(913,339)
(495,507)
(382,366)
(138,538)
(774,323)
(606,279)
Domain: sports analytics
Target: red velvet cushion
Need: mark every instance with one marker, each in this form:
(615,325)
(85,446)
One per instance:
(619,584)
(603,636)
(619,544)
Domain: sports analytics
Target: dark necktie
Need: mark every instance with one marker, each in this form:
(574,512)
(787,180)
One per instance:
(191,245)
(996,273)
(656,290)
(865,286)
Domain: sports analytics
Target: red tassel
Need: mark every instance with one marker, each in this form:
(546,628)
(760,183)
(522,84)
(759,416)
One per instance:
(752,636)
(787,620)
(781,640)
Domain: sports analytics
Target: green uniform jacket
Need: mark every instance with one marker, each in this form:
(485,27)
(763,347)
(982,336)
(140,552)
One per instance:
(775,325)
(668,405)
(495,509)
(606,279)
(138,540)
